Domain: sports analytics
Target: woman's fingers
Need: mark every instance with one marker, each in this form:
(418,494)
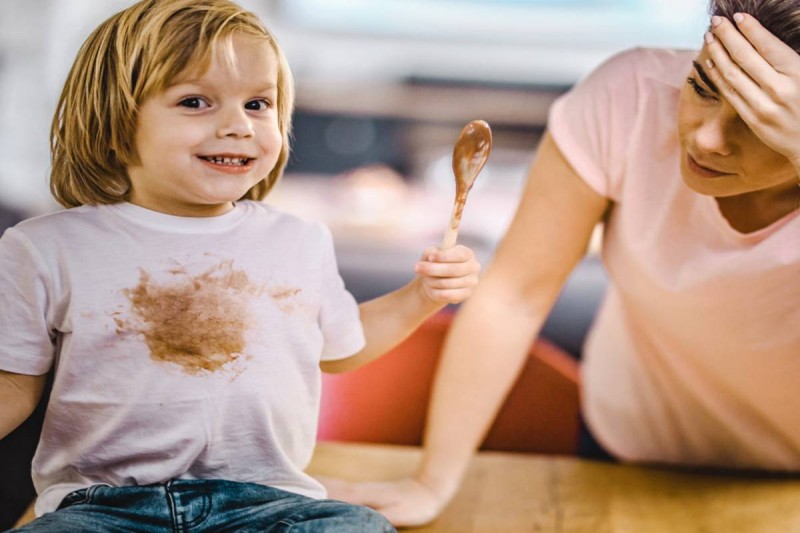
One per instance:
(732,82)
(742,52)
(759,76)
(752,59)
(778,54)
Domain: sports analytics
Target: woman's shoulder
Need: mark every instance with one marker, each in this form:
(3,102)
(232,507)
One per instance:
(630,96)
(663,65)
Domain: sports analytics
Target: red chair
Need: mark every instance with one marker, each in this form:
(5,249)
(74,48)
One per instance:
(386,401)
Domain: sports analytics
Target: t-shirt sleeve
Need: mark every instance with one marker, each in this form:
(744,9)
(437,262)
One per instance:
(339,317)
(591,123)
(26,346)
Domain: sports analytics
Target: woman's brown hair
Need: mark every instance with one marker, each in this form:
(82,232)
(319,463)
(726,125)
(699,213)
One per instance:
(780,17)
(131,56)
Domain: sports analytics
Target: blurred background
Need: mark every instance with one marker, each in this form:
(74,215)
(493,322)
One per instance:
(384,87)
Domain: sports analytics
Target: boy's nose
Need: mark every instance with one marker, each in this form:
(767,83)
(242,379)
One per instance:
(235,123)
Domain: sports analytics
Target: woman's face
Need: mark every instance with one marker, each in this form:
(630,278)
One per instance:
(720,155)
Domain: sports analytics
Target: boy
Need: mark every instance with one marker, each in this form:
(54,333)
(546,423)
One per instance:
(187,321)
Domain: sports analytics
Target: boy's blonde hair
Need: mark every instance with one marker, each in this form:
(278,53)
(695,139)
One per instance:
(131,56)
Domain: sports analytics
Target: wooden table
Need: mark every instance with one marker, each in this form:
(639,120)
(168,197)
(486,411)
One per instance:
(510,493)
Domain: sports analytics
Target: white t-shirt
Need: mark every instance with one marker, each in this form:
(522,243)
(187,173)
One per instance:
(184,347)
(695,355)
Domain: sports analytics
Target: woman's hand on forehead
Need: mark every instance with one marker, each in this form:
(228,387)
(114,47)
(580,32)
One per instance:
(759,75)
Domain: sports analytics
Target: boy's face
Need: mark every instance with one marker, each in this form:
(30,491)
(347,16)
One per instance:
(207,139)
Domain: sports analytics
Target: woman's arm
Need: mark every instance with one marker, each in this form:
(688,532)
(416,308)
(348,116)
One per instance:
(443,276)
(491,335)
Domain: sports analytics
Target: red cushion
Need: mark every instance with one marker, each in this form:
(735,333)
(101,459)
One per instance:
(386,401)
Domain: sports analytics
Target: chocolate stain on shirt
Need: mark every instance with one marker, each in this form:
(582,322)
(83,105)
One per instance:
(284,297)
(198,322)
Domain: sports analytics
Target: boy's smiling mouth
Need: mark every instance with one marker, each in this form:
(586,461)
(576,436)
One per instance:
(228,162)
(225,159)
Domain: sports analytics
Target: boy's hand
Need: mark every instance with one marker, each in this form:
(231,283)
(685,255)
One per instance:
(447,276)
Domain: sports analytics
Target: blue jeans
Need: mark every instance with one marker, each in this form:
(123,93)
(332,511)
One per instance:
(203,506)
(588,447)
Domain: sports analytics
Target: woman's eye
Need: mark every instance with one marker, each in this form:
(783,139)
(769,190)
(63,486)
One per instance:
(194,102)
(699,90)
(261,104)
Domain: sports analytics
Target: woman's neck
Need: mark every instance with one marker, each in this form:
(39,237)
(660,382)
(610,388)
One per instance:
(756,210)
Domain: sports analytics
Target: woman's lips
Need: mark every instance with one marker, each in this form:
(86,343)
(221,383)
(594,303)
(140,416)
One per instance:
(700,170)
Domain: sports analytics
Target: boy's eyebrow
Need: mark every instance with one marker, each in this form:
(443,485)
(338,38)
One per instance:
(704,77)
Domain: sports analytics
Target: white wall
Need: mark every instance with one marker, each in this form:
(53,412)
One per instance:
(38,41)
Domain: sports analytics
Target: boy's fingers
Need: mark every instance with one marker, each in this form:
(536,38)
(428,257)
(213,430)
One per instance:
(429,254)
(446,270)
(452,296)
(452,283)
(456,254)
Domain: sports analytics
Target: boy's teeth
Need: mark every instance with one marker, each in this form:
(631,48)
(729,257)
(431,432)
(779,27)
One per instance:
(227,160)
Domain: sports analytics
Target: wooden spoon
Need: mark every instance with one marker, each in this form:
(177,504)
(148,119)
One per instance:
(469,155)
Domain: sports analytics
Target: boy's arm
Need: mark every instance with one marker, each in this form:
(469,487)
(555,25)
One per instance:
(443,276)
(19,395)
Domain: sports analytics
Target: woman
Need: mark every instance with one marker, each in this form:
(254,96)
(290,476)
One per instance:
(691,160)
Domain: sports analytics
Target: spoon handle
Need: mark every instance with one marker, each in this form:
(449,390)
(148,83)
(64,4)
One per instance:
(451,233)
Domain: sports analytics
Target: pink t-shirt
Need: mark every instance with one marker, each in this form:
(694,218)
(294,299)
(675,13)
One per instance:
(695,354)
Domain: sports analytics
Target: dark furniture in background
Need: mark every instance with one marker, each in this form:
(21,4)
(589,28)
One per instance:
(16,450)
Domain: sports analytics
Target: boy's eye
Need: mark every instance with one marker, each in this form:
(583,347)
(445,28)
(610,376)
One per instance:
(699,90)
(194,102)
(261,104)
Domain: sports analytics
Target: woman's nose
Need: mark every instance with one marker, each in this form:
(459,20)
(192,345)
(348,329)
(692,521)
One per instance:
(715,134)
(235,123)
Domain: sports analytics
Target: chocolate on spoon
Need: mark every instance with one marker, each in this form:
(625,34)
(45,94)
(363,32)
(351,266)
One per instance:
(469,155)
